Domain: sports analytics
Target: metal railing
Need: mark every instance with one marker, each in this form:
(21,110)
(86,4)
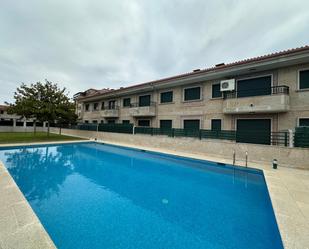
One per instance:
(116,107)
(281,138)
(256,137)
(257,92)
(138,104)
(301,137)
(117,128)
(174,132)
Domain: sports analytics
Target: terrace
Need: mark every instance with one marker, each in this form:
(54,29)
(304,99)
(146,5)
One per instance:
(262,100)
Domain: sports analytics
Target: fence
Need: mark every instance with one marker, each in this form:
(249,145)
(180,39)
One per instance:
(261,137)
(255,137)
(281,138)
(228,135)
(301,137)
(118,128)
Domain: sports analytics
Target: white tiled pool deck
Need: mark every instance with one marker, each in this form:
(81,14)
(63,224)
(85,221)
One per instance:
(288,189)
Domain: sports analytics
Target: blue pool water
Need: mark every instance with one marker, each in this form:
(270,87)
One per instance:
(92,195)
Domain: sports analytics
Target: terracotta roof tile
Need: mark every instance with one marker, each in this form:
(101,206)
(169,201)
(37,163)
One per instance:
(215,68)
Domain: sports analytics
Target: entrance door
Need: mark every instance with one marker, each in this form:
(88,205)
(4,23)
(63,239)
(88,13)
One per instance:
(256,131)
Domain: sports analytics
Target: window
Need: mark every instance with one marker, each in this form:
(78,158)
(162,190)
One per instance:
(87,107)
(7,122)
(144,100)
(126,102)
(19,123)
(94,121)
(193,93)
(216,124)
(254,87)
(304,79)
(112,104)
(102,121)
(144,122)
(166,124)
(86,121)
(191,124)
(102,106)
(166,97)
(216,93)
(29,124)
(304,122)
(126,121)
(1,112)
(111,121)
(95,106)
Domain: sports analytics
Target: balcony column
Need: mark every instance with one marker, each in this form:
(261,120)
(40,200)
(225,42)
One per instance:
(291,138)
(14,122)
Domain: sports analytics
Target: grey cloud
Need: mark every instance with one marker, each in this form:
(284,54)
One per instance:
(86,43)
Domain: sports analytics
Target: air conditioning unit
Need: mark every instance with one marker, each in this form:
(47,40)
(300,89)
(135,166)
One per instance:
(227,85)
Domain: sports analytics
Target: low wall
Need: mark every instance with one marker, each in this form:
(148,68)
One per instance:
(20,129)
(289,157)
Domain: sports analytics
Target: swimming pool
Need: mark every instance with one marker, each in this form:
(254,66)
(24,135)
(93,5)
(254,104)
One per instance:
(91,195)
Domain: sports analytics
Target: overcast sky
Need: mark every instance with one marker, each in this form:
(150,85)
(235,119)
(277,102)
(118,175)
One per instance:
(83,44)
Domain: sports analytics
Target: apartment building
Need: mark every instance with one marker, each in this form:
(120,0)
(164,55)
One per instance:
(13,120)
(269,93)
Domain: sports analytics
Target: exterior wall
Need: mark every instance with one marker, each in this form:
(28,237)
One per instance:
(13,117)
(289,157)
(296,104)
(299,99)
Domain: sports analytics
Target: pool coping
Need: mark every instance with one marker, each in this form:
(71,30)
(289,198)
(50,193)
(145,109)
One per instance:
(288,190)
(20,228)
(19,225)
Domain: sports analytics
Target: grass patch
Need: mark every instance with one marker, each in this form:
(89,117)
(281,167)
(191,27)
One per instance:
(29,137)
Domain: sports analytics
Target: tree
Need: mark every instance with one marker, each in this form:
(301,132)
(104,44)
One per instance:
(44,102)
(67,115)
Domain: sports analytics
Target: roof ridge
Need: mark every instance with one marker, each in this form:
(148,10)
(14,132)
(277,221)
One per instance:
(231,64)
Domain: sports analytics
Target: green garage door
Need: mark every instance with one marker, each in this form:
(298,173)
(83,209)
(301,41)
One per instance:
(191,124)
(256,131)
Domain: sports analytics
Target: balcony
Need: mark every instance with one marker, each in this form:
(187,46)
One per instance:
(143,110)
(110,112)
(264,100)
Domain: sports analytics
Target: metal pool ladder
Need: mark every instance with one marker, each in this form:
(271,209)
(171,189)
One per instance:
(246,159)
(234,157)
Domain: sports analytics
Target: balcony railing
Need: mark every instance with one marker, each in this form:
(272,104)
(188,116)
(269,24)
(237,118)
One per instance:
(116,107)
(139,104)
(257,92)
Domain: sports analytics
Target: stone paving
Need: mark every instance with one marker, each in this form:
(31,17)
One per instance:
(288,189)
(19,226)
